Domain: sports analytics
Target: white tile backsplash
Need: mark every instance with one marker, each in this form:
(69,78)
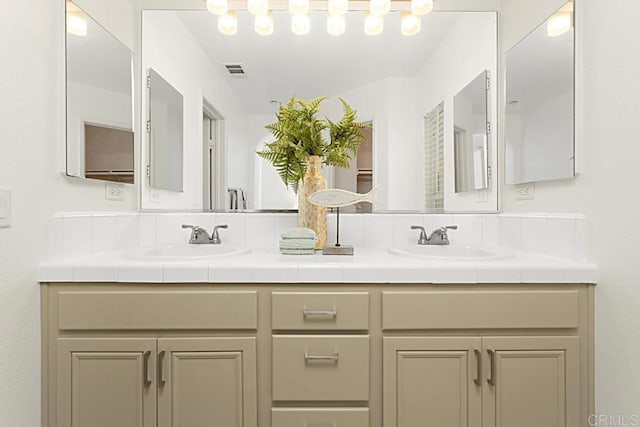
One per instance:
(77,234)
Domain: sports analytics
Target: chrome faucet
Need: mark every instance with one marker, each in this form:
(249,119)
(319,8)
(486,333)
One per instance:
(199,235)
(438,236)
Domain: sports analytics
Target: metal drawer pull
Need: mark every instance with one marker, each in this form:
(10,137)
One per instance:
(477,381)
(320,313)
(145,368)
(492,378)
(316,358)
(161,380)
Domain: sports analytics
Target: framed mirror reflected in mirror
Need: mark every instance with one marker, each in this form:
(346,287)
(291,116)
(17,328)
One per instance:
(540,95)
(470,135)
(99,101)
(393,81)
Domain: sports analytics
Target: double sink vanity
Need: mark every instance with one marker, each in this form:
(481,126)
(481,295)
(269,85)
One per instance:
(229,335)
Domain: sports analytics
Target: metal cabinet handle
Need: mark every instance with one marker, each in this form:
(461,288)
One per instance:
(145,371)
(321,358)
(320,313)
(161,379)
(477,381)
(492,377)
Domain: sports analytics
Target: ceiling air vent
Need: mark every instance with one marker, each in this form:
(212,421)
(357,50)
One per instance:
(235,70)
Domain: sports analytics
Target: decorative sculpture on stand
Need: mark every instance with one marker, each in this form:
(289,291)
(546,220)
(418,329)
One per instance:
(336,198)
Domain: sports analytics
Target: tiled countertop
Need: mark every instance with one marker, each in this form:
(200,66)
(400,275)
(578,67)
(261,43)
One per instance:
(366,266)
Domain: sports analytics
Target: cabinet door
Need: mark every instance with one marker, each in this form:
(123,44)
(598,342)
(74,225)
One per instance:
(531,382)
(205,382)
(432,382)
(106,382)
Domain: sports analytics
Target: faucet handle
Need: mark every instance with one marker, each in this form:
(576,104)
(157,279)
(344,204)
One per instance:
(215,237)
(422,240)
(193,227)
(449,227)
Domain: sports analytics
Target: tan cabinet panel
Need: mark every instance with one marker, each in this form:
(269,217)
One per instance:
(321,367)
(106,382)
(123,310)
(479,309)
(320,310)
(531,382)
(206,382)
(320,417)
(432,382)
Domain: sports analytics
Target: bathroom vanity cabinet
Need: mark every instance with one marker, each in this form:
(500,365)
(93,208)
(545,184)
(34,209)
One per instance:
(390,355)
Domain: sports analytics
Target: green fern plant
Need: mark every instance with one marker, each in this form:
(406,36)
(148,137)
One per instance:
(299,133)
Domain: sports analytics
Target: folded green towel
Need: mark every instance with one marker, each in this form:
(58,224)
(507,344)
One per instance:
(297,243)
(299,233)
(297,251)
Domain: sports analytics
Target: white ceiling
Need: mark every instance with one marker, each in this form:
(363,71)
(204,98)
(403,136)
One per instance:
(99,60)
(283,64)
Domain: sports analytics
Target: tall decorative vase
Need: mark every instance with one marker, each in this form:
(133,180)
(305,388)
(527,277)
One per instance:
(311,216)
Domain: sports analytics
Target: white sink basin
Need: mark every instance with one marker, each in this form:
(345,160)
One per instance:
(451,252)
(187,252)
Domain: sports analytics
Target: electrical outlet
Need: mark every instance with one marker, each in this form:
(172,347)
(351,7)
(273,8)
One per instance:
(155,196)
(526,191)
(482,196)
(113,191)
(5,207)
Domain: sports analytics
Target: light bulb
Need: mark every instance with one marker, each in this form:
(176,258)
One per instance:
(421,7)
(228,24)
(559,24)
(258,7)
(300,24)
(298,7)
(218,7)
(409,24)
(379,7)
(338,7)
(373,24)
(336,24)
(77,24)
(263,24)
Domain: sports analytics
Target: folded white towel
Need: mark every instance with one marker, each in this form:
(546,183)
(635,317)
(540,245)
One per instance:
(299,233)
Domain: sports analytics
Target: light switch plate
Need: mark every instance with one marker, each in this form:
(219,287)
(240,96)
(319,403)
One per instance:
(5,207)
(526,191)
(113,191)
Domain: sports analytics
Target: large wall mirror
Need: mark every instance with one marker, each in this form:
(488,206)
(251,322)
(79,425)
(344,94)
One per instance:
(539,128)
(232,86)
(99,101)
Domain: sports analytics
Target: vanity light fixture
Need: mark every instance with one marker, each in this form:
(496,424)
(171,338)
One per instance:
(300,24)
(228,23)
(379,7)
(298,7)
(338,7)
(76,20)
(561,22)
(258,7)
(373,24)
(409,24)
(421,7)
(263,24)
(218,7)
(77,24)
(336,24)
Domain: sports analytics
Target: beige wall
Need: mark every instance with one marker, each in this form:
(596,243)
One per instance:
(31,153)
(606,191)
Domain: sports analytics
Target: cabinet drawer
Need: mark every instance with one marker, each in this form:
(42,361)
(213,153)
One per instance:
(320,417)
(321,367)
(320,310)
(157,310)
(481,309)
